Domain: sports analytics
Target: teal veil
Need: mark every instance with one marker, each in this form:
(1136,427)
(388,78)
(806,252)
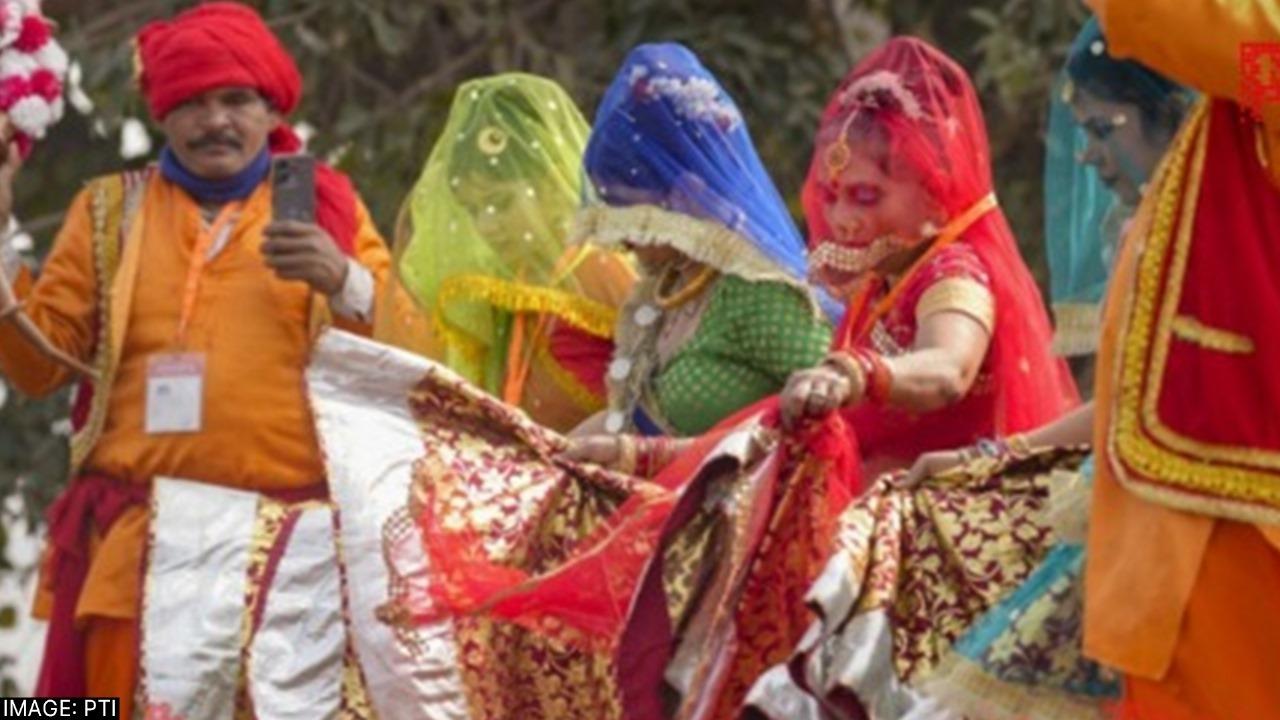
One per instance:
(1083,217)
(1081,227)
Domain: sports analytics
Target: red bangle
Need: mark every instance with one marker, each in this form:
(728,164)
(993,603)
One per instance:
(879,376)
(652,456)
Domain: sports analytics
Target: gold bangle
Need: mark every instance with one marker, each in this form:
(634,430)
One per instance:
(1019,445)
(627,452)
(849,367)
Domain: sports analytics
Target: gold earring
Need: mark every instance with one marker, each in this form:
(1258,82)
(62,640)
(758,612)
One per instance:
(1068,91)
(837,158)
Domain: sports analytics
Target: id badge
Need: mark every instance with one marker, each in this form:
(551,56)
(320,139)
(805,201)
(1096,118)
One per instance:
(175,393)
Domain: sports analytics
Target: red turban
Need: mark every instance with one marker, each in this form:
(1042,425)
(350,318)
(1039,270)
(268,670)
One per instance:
(226,44)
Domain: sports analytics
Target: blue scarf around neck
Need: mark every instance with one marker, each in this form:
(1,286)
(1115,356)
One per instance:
(236,187)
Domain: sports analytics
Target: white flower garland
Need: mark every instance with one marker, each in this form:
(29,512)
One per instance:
(33,71)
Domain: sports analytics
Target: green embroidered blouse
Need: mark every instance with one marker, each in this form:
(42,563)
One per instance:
(749,340)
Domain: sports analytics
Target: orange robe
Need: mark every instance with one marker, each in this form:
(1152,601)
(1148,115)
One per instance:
(1184,603)
(255,331)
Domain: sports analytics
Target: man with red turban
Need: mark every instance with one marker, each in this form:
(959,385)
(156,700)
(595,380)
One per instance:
(196,312)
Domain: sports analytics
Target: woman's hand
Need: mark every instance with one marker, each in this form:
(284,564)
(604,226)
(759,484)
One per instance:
(604,450)
(934,463)
(815,392)
(10,163)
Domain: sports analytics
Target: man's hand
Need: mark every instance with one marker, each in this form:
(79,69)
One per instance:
(9,166)
(8,301)
(935,463)
(305,252)
(8,171)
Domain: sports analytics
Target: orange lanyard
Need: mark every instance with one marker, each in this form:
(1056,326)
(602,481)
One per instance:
(199,259)
(949,234)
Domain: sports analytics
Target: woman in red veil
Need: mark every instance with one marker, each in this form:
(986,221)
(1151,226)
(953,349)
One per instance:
(946,339)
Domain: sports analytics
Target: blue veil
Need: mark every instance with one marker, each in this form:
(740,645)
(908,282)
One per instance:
(670,162)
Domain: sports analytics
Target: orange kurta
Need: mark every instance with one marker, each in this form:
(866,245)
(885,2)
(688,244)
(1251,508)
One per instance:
(1169,597)
(253,328)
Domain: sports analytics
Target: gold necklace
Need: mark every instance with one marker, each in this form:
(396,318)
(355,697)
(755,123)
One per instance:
(684,294)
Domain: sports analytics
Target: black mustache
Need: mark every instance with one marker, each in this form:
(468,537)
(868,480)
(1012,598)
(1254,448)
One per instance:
(211,140)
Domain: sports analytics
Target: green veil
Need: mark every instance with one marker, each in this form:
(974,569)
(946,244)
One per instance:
(483,231)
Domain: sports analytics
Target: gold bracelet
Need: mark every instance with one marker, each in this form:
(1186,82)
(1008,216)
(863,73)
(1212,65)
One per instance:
(1019,445)
(627,452)
(849,367)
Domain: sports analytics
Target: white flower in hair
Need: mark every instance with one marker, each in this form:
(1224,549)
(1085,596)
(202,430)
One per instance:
(693,98)
(867,92)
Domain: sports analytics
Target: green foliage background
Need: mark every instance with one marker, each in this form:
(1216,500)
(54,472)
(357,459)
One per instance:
(380,76)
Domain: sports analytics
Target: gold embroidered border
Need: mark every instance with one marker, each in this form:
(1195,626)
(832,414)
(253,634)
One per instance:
(1193,331)
(710,243)
(967,687)
(1076,328)
(267,524)
(114,204)
(107,209)
(355,703)
(567,383)
(1185,467)
(581,312)
(961,295)
(1164,332)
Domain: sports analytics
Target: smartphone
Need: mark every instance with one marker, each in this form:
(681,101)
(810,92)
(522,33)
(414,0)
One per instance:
(293,188)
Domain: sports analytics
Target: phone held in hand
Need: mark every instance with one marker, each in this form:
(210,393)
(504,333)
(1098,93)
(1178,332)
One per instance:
(293,188)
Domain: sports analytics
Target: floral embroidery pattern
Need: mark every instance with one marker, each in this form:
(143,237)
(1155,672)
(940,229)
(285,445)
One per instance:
(1043,643)
(938,556)
(490,476)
